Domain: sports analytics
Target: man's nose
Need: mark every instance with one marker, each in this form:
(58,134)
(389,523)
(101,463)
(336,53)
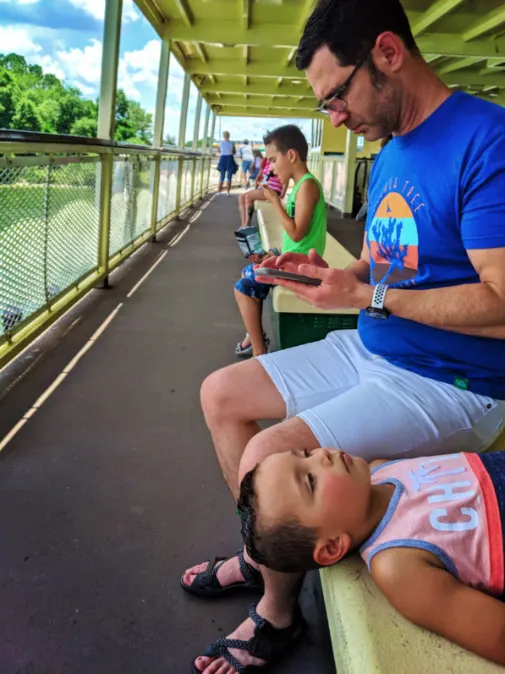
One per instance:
(338,118)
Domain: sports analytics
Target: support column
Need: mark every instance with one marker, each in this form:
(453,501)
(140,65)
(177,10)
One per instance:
(106,124)
(194,147)
(212,133)
(182,138)
(350,171)
(159,122)
(205,146)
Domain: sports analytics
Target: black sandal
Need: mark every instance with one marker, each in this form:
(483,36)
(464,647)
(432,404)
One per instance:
(267,643)
(206,583)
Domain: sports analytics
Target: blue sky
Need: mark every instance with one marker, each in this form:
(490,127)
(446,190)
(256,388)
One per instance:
(65,38)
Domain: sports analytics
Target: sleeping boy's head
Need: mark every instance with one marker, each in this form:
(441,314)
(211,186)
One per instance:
(304,509)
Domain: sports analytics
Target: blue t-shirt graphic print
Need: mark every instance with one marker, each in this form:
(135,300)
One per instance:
(435,194)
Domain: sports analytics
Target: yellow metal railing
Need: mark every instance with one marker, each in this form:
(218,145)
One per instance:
(71,210)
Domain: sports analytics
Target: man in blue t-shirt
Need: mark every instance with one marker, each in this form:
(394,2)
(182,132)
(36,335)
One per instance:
(424,374)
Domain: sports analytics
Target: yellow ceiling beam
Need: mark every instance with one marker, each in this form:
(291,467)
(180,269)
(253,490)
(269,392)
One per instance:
(200,50)
(489,22)
(436,12)
(246,14)
(303,102)
(266,88)
(473,79)
(448,44)
(271,111)
(246,55)
(237,67)
(184,9)
(459,65)
(230,34)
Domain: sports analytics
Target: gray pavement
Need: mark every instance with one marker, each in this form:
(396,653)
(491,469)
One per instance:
(112,489)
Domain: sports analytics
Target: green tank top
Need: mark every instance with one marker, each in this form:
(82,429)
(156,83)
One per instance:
(316,235)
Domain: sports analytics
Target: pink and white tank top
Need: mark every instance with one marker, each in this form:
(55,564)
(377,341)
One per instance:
(446,505)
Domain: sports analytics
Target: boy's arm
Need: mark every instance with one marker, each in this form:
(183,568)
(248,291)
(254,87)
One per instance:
(306,200)
(432,598)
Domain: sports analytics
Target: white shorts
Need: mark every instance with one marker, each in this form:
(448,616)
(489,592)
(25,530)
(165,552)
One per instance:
(358,402)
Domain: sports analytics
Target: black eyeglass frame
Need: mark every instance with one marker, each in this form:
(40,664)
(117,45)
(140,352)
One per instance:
(322,106)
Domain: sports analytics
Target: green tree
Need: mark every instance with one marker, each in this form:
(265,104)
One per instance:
(32,100)
(27,116)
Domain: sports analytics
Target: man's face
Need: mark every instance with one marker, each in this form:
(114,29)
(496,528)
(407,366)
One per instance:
(281,163)
(324,489)
(373,108)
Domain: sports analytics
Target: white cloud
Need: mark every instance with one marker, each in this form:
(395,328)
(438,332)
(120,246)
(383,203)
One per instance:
(82,64)
(97,9)
(140,67)
(17,39)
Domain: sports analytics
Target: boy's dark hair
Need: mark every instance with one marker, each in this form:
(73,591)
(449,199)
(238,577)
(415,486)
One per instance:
(349,28)
(288,137)
(285,546)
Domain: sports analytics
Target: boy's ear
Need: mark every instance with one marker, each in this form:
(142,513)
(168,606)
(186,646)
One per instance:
(332,550)
(292,156)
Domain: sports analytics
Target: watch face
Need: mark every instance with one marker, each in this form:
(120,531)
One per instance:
(380,314)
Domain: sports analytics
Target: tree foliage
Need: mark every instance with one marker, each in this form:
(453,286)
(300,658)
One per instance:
(31,100)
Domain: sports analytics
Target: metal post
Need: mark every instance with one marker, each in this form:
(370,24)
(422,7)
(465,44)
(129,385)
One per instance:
(213,131)
(182,138)
(159,121)
(350,170)
(106,123)
(184,111)
(205,146)
(195,142)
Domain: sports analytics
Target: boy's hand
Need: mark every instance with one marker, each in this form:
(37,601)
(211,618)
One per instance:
(271,195)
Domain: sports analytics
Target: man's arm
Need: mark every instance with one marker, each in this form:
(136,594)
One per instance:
(432,598)
(306,200)
(476,309)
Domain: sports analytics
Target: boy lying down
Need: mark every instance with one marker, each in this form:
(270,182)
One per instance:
(430,530)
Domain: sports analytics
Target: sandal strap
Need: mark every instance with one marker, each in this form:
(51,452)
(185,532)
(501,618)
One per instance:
(267,642)
(210,573)
(251,575)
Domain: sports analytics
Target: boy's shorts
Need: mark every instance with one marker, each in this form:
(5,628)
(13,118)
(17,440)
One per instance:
(250,287)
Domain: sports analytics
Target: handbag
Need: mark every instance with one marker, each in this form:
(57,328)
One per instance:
(249,241)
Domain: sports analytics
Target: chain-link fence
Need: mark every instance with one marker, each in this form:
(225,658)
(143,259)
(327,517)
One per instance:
(51,214)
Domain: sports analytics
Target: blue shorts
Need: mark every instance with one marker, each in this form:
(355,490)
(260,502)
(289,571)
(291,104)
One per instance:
(250,287)
(246,165)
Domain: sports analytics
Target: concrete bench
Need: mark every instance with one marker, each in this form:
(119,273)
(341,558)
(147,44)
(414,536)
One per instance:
(370,637)
(295,321)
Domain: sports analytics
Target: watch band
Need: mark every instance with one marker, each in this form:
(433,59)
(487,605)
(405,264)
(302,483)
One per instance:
(379,295)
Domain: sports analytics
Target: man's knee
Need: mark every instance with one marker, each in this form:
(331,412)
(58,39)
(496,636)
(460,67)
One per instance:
(218,393)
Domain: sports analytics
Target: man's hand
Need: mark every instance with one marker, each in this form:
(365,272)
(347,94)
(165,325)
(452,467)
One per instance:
(291,262)
(271,195)
(340,288)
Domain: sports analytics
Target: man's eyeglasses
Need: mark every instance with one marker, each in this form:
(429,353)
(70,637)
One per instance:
(335,102)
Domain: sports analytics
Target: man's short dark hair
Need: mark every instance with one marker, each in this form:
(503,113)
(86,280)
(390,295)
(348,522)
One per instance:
(284,546)
(288,137)
(349,28)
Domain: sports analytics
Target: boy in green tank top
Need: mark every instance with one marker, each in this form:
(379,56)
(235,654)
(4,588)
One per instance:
(303,221)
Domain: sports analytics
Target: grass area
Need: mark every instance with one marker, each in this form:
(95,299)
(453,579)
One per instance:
(26,203)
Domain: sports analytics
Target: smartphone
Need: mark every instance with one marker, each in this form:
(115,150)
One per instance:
(289,276)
